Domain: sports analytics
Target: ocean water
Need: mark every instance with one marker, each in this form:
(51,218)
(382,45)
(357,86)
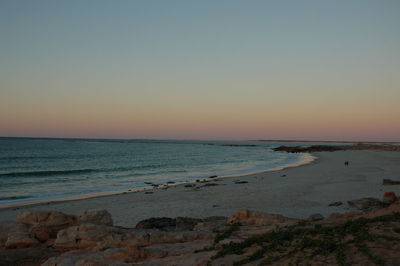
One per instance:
(33,169)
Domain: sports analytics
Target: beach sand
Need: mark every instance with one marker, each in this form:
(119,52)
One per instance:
(294,192)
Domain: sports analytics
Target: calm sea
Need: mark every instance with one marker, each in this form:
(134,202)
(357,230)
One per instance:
(33,169)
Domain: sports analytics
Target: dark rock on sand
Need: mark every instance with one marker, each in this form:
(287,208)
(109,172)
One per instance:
(336,203)
(189,185)
(390,182)
(241,182)
(213,176)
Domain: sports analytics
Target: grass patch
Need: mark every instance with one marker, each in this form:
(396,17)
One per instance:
(310,241)
(227,233)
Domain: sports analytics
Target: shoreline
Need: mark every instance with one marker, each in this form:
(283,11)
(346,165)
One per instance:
(295,192)
(307,159)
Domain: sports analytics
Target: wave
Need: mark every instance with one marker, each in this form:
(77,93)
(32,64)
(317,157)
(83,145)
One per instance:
(80,171)
(15,197)
(47,173)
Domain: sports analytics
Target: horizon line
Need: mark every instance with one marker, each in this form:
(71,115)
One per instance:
(236,140)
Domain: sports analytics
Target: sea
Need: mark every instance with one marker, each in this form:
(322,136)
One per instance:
(46,169)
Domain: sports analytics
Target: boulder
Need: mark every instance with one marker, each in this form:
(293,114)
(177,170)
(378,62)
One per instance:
(47,218)
(366,204)
(7,227)
(389,198)
(46,224)
(21,240)
(246,217)
(96,216)
(87,235)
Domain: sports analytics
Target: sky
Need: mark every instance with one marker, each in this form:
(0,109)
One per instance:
(311,70)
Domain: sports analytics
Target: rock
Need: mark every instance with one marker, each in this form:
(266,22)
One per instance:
(96,216)
(186,223)
(26,256)
(339,217)
(46,224)
(246,217)
(7,227)
(389,198)
(387,182)
(87,235)
(157,223)
(336,203)
(366,204)
(47,218)
(316,216)
(209,224)
(190,185)
(241,182)
(21,240)
(169,224)
(213,176)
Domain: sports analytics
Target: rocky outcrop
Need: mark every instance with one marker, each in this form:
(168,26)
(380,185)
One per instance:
(320,148)
(247,237)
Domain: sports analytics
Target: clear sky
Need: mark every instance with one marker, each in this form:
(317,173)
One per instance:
(209,69)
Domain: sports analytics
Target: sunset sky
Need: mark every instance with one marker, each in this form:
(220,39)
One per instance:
(325,70)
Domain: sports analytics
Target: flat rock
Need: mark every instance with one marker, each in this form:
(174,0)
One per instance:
(21,240)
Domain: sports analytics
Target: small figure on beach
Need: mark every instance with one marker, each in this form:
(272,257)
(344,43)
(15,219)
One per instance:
(346,163)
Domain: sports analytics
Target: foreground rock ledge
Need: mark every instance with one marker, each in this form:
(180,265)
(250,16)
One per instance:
(246,238)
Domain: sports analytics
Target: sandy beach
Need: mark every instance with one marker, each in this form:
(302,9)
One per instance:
(294,192)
